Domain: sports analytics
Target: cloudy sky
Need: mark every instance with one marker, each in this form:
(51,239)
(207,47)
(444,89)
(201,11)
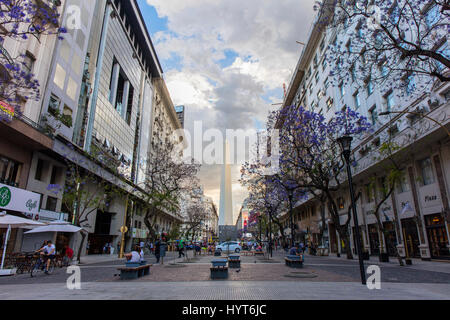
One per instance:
(226,61)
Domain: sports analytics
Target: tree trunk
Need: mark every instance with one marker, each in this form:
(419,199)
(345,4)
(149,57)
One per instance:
(83,237)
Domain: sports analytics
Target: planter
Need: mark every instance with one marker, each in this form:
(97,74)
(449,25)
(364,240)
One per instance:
(384,257)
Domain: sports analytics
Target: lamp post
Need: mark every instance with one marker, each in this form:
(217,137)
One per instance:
(346,145)
(291,196)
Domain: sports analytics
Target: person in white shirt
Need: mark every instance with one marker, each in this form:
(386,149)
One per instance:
(50,253)
(134,256)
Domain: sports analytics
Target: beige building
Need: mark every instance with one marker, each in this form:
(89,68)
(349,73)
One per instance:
(421,201)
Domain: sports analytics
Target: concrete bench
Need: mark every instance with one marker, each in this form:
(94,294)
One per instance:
(219,269)
(234,261)
(294,261)
(134,272)
(247,253)
(259,253)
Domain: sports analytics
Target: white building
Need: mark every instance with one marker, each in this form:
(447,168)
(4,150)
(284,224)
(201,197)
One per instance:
(425,155)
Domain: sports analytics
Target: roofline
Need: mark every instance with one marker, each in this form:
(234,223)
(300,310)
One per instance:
(147,34)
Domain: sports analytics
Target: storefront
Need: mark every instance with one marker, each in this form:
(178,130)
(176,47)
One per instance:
(17,202)
(391,238)
(374,239)
(411,238)
(437,236)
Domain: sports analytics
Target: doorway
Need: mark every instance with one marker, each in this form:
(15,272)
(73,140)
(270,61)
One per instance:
(437,236)
(411,238)
(374,239)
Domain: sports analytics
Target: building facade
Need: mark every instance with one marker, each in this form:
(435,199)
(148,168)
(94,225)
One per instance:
(102,93)
(421,200)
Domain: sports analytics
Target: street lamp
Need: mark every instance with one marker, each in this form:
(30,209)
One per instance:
(346,145)
(291,196)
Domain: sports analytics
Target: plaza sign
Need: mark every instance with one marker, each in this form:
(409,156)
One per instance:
(19,200)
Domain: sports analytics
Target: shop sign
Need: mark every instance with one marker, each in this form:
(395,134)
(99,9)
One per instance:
(19,200)
(48,216)
(430,198)
(7,110)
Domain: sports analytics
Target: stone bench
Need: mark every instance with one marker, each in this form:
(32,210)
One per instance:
(131,272)
(294,261)
(259,253)
(234,261)
(219,269)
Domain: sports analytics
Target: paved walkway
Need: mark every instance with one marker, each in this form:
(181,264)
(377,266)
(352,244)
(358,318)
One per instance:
(227,290)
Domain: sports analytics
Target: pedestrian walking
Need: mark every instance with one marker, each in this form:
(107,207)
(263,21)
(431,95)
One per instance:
(181,249)
(157,250)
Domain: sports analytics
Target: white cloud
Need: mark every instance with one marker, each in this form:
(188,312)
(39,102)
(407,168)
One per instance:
(262,32)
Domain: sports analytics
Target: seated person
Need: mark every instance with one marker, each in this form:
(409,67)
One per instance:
(133,256)
(294,251)
(258,248)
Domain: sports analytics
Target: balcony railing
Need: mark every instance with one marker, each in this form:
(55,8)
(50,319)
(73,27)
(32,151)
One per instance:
(6,55)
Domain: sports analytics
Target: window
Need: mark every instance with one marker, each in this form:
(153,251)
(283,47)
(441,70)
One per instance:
(403,185)
(39,170)
(373,112)
(432,16)
(369,87)
(342,90)
(370,194)
(384,68)
(9,171)
(324,63)
(130,104)
(341,203)
(28,62)
(390,102)
(51,203)
(329,103)
(322,45)
(357,100)
(66,118)
(72,88)
(54,177)
(53,105)
(353,71)
(317,77)
(60,76)
(410,85)
(326,83)
(426,169)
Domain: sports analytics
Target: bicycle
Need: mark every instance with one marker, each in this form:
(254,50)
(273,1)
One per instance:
(41,265)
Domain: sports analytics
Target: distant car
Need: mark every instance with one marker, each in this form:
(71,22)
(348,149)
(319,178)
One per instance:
(233,246)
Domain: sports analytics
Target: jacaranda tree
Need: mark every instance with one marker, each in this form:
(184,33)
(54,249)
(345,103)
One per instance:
(311,154)
(400,44)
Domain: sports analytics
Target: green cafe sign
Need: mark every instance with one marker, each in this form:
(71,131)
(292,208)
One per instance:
(19,200)
(5,196)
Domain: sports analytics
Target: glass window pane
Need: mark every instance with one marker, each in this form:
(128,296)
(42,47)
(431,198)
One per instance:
(72,89)
(60,76)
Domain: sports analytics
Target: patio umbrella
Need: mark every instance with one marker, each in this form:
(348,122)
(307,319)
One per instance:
(10,221)
(57,226)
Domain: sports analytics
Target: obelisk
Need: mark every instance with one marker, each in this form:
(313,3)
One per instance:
(227,229)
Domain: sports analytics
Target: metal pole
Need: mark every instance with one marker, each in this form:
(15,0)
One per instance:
(292,219)
(122,241)
(5,245)
(355,220)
